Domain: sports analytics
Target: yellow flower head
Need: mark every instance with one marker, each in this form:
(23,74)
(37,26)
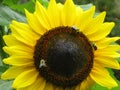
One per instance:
(61,47)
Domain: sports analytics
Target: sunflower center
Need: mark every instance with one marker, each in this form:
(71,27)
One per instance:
(64,56)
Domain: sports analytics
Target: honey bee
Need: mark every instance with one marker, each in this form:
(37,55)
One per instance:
(42,63)
(94,46)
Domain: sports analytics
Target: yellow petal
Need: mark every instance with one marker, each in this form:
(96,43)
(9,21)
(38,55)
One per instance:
(102,77)
(79,11)
(42,16)
(12,51)
(54,14)
(19,61)
(49,86)
(24,33)
(38,85)
(25,79)
(103,43)
(13,72)
(58,88)
(23,27)
(11,41)
(110,48)
(95,24)
(68,14)
(103,31)
(86,84)
(34,23)
(42,83)
(19,48)
(107,62)
(60,6)
(81,21)
(21,89)
(106,54)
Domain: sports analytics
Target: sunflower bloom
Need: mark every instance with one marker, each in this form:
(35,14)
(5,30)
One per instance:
(61,47)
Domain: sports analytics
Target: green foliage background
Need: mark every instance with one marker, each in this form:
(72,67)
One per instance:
(14,9)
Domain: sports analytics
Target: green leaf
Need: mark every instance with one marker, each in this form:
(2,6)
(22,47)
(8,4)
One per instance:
(1,1)
(7,15)
(20,5)
(3,31)
(5,85)
(3,69)
(10,2)
(1,64)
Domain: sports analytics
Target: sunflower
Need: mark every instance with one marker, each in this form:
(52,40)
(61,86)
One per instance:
(61,47)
